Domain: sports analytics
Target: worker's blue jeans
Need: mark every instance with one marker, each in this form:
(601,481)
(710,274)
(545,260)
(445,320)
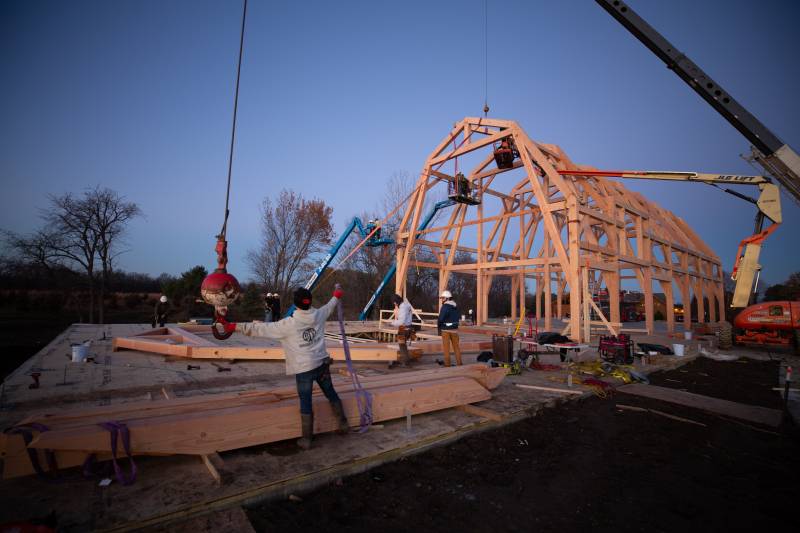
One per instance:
(305,385)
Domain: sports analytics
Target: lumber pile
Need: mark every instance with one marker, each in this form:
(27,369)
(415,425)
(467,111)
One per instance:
(204,425)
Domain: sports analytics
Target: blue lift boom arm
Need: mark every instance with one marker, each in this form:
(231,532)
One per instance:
(422,225)
(355,224)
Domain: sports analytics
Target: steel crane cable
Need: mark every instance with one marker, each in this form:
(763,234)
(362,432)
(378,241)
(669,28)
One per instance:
(233,127)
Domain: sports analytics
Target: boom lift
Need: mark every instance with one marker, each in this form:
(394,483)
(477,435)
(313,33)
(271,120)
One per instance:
(745,268)
(391,272)
(778,159)
(374,240)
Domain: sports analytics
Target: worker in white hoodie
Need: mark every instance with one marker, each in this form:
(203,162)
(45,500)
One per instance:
(403,316)
(302,337)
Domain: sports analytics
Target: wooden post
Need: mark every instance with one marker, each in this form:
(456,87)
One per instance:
(585,316)
(514,297)
(666,286)
(575,292)
(612,284)
(698,294)
(560,298)
(547,288)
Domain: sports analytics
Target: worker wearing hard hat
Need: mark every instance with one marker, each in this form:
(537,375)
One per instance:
(448,327)
(302,337)
(403,316)
(276,306)
(268,307)
(160,312)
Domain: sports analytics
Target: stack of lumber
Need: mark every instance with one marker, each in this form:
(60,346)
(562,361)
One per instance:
(204,425)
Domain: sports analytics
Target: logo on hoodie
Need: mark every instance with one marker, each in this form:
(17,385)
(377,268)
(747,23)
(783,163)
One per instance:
(309,335)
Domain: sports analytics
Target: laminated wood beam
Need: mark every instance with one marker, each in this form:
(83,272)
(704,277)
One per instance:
(206,432)
(17,463)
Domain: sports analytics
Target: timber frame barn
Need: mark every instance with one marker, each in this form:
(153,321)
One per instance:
(532,220)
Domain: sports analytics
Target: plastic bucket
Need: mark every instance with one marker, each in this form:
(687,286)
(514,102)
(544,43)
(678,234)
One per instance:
(678,349)
(79,353)
(687,335)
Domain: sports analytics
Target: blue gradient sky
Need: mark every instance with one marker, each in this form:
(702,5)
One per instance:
(338,96)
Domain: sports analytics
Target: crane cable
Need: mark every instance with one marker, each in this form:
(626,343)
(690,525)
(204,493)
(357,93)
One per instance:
(485,58)
(233,127)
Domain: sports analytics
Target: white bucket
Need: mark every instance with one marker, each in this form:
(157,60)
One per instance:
(678,349)
(687,335)
(79,353)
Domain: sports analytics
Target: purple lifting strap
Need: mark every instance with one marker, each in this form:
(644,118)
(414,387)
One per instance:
(26,430)
(120,428)
(363,398)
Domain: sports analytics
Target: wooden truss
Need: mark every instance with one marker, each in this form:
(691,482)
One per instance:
(179,342)
(569,234)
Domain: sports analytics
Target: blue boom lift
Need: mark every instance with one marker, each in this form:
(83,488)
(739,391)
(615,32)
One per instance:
(374,240)
(363,231)
(422,225)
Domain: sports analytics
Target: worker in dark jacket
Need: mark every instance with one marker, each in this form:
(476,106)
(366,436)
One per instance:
(448,327)
(268,307)
(276,307)
(160,312)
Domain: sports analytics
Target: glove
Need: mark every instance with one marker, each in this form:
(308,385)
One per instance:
(338,293)
(228,327)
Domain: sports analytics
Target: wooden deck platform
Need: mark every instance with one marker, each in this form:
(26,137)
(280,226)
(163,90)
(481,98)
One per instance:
(175,488)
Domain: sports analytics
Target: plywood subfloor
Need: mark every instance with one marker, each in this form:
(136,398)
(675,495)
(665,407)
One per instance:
(174,488)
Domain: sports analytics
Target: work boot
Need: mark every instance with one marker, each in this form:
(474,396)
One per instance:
(307,422)
(403,357)
(338,411)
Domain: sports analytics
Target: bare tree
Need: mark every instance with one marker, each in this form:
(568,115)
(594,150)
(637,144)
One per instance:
(293,231)
(81,232)
(75,240)
(110,214)
(37,248)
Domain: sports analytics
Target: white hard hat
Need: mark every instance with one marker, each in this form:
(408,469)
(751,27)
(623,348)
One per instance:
(446,294)
(269,295)
(163,299)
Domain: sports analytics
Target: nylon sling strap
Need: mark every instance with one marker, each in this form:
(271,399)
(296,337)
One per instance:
(119,428)
(26,430)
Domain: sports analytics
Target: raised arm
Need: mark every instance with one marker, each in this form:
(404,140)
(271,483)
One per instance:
(270,330)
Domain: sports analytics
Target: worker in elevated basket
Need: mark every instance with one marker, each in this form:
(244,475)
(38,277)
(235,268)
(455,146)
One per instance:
(403,316)
(302,337)
(448,327)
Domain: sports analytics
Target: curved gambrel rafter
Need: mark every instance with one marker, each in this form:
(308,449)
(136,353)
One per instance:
(568,233)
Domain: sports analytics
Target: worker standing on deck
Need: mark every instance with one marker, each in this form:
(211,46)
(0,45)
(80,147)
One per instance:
(403,316)
(276,307)
(448,327)
(302,337)
(268,307)
(160,312)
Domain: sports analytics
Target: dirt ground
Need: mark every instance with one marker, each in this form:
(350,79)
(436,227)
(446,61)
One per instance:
(581,465)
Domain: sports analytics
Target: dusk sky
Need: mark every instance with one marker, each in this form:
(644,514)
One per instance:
(338,96)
